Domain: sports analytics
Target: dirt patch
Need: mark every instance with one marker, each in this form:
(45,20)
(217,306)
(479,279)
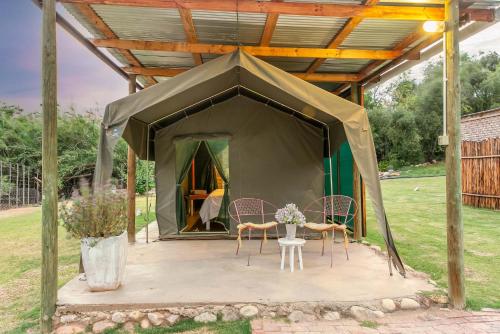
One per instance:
(473,275)
(482,254)
(18,211)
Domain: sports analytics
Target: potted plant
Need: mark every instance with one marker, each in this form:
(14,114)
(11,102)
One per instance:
(291,217)
(100,221)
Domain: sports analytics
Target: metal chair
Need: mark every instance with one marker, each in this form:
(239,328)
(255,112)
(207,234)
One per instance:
(244,207)
(333,212)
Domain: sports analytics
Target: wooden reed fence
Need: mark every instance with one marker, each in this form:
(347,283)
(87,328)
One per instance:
(481,173)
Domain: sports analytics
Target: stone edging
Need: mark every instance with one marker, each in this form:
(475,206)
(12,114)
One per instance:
(66,321)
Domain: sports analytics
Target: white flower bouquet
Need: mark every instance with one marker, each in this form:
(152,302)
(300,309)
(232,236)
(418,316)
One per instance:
(290,214)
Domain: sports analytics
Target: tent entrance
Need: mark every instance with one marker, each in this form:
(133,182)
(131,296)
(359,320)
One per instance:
(202,194)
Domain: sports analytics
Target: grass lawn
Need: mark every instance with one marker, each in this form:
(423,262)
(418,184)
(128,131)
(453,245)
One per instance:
(418,223)
(436,169)
(20,256)
(417,219)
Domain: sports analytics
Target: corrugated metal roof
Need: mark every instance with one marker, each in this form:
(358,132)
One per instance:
(83,20)
(343,65)
(305,31)
(143,23)
(289,64)
(228,28)
(164,59)
(218,27)
(379,34)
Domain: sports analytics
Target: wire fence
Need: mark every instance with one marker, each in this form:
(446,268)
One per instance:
(20,185)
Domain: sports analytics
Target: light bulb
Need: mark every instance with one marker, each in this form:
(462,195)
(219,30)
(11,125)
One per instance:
(434,26)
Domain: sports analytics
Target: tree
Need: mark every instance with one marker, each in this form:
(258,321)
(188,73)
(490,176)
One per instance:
(77,145)
(406,117)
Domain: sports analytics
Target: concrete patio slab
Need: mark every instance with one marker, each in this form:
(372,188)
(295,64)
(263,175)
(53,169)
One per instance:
(182,272)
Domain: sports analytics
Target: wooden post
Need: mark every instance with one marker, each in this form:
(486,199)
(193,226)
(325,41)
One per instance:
(24,185)
(10,183)
(49,167)
(356,91)
(17,185)
(131,167)
(456,288)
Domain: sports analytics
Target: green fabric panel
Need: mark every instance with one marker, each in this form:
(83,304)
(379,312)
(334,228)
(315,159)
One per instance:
(219,151)
(185,150)
(342,178)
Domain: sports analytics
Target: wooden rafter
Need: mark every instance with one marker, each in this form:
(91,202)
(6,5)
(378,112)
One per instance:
(401,46)
(418,13)
(191,37)
(104,29)
(267,33)
(315,77)
(340,37)
(269,27)
(254,50)
(342,88)
(411,54)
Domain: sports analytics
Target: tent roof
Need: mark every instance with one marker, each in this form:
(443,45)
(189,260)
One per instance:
(217,80)
(133,116)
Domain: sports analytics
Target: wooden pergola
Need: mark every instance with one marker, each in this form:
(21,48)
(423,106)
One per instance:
(341,46)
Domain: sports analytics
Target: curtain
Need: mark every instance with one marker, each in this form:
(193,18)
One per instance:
(205,172)
(185,150)
(219,151)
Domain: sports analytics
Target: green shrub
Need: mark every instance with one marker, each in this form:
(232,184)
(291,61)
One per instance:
(99,214)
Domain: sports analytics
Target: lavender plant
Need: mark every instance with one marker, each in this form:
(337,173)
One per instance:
(100,214)
(290,214)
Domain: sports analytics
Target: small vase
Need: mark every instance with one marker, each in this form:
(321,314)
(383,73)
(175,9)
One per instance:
(291,230)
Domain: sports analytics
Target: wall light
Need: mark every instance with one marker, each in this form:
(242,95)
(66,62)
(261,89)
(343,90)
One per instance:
(434,26)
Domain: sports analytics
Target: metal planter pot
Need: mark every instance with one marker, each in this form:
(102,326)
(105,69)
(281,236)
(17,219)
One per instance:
(104,261)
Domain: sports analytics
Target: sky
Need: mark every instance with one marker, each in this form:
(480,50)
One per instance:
(84,82)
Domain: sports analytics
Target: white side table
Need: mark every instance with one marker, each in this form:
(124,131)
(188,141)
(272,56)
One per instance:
(291,244)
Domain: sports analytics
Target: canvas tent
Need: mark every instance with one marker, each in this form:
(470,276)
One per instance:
(278,127)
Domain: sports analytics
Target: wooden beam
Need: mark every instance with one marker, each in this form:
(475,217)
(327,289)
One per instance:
(264,51)
(416,12)
(340,37)
(269,27)
(342,88)
(267,33)
(315,77)
(131,176)
(400,46)
(479,14)
(104,29)
(191,37)
(454,223)
(48,295)
(411,54)
(419,13)
(327,77)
